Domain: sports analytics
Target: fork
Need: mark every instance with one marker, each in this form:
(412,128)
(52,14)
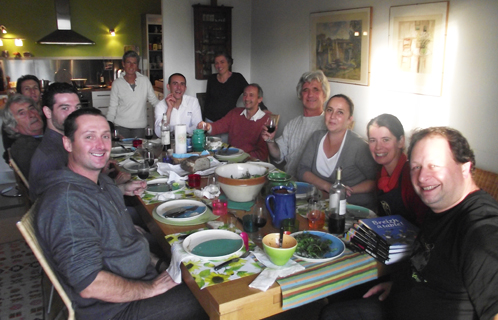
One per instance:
(226,263)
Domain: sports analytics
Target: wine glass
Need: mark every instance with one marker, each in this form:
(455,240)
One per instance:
(149,157)
(260,219)
(213,186)
(115,135)
(271,124)
(149,133)
(143,170)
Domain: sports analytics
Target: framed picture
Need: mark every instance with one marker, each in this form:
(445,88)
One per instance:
(340,44)
(417,37)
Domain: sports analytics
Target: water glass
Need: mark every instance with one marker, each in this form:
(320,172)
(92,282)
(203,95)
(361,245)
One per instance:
(249,223)
(220,207)
(194,181)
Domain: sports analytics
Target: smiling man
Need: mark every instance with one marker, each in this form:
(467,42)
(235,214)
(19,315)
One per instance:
(244,125)
(179,107)
(313,90)
(61,99)
(105,265)
(29,86)
(23,123)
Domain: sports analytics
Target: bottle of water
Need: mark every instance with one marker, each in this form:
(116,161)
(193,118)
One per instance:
(165,134)
(337,195)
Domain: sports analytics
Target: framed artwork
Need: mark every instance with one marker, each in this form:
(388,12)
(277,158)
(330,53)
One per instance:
(417,37)
(340,44)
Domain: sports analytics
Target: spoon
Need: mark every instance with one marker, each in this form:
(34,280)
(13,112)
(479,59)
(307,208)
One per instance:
(281,239)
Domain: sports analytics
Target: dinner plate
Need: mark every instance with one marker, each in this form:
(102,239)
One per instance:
(132,166)
(337,247)
(270,166)
(175,204)
(231,154)
(161,185)
(117,152)
(214,244)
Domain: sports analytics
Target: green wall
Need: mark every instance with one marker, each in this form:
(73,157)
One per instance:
(34,19)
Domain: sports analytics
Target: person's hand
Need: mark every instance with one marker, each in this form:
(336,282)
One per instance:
(122,177)
(204,126)
(383,288)
(134,188)
(163,283)
(269,137)
(349,191)
(170,101)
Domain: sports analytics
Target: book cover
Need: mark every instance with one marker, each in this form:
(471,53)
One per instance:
(395,231)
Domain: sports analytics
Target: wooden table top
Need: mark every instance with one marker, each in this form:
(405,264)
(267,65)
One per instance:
(228,300)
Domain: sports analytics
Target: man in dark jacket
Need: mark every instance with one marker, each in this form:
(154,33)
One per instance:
(90,241)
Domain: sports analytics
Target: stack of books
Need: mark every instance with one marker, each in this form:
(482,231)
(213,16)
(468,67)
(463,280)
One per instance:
(388,239)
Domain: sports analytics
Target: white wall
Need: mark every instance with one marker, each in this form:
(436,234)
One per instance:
(270,45)
(280,54)
(178,39)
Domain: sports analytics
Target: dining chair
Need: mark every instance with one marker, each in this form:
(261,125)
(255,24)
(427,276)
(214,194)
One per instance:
(27,229)
(22,182)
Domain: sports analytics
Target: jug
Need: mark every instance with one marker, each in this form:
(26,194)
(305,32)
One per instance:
(281,204)
(277,178)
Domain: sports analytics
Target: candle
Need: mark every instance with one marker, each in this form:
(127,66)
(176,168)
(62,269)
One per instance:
(180,138)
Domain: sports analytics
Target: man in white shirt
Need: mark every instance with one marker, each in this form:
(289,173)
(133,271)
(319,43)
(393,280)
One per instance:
(129,96)
(179,107)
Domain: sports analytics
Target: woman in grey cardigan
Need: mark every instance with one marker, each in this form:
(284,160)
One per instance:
(339,147)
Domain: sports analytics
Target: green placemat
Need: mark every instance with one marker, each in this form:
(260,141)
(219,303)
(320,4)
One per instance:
(246,206)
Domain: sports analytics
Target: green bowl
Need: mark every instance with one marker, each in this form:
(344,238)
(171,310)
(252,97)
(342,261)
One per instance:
(279,256)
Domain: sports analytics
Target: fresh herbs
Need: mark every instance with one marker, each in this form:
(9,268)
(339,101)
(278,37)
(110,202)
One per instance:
(247,175)
(312,246)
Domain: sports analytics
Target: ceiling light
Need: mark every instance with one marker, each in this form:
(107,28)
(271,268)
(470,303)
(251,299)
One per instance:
(18,42)
(112,32)
(4,30)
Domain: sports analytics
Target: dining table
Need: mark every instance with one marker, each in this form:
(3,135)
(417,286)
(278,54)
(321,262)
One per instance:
(236,300)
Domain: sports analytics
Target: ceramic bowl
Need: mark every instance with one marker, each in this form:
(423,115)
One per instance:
(237,189)
(279,256)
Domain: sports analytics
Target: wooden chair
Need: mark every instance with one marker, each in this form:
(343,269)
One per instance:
(27,228)
(488,181)
(22,182)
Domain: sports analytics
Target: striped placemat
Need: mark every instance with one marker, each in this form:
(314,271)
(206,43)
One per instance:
(320,280)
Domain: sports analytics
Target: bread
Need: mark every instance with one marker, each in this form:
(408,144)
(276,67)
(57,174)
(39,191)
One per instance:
(194,164)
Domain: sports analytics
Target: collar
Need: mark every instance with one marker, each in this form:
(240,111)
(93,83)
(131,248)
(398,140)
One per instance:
(258,115)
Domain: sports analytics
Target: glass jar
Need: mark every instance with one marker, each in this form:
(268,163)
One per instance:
(198,140)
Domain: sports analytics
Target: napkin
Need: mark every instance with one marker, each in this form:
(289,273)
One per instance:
(178,256)
(270,274)
(204,192)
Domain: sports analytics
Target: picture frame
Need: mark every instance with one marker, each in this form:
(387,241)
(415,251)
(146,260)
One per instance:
(417,40)
(340,44)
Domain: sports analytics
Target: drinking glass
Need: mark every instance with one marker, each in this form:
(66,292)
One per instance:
(213,186)
(316,217)
(149,133)
(149,157)
(271,124)
(115,135)
(143,170)
(260,219)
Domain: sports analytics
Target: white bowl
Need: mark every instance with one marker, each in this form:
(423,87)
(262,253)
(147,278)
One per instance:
(237,189)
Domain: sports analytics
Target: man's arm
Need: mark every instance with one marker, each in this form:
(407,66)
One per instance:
(113,104)
(112,288)
(133,188)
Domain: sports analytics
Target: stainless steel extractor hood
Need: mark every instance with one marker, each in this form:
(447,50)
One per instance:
(64,35)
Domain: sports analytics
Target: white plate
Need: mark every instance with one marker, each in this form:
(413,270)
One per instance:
(199,237)
(234,153)
(117,152)
(270,166)
(132,166)
(163,181)
(173,204)
(337,245)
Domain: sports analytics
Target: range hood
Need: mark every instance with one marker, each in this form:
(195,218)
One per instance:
(64,35)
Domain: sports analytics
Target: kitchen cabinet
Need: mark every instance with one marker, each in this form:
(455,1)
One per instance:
(101,100)
(152,43)
(212,34)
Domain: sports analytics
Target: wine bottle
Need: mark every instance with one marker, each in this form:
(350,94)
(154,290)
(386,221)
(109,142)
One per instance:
(337,195)
(165,134)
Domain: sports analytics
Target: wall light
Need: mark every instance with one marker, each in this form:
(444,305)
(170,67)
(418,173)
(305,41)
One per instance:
(4,30)
(1,43)
(18,42)
(112,32)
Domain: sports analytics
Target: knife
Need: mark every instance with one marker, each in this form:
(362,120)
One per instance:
(173,213)
(226,263)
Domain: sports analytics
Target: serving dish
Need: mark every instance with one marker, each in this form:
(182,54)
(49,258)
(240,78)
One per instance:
(176,204)
(218,244)
(337,247)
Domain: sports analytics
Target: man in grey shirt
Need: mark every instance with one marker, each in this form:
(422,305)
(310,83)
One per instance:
(313,90)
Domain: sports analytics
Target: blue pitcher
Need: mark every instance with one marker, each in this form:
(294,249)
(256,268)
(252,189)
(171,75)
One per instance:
(281,204)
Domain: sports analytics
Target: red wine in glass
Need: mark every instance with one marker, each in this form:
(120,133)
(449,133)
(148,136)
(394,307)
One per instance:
(150,161)
(260,222)
(143,174)
(149,137)
(271,129)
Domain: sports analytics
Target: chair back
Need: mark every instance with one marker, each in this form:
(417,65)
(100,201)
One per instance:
(22,182)
(27,228)
(488,181)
